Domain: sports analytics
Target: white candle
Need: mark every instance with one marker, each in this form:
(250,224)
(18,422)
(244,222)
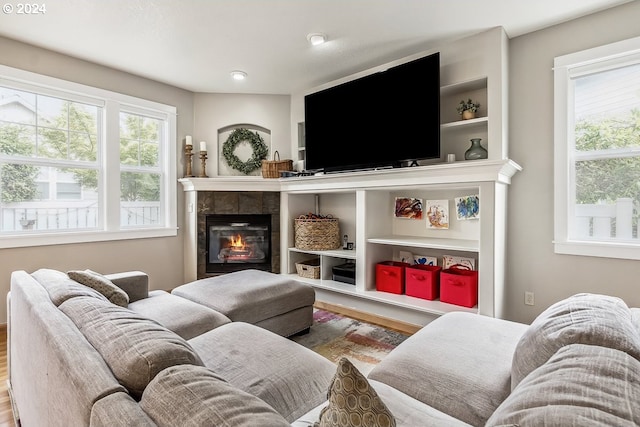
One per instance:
(203,146)
(189,140)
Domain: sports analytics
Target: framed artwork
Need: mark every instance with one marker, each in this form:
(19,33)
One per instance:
(468,207)
(425,260)
(438,214)
(408,207)
(449,260)
(404,256)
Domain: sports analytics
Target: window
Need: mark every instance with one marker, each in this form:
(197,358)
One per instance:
(82,164)
(597,151)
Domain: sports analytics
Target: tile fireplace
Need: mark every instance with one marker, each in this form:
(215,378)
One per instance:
(214,249)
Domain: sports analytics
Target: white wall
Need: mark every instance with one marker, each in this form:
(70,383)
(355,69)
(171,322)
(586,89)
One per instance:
(531,263)
(217,111)
(161,258)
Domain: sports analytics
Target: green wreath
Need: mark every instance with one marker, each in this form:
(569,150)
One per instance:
(260,150)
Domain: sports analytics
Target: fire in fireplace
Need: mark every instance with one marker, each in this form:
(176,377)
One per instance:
(238,242)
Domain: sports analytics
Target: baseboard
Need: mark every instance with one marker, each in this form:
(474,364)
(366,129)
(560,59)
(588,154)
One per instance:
(385,322)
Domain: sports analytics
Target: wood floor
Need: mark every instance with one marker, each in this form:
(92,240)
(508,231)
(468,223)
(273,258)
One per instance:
(6,414)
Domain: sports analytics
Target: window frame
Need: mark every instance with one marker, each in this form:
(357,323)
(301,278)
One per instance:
(566,67)
(108,158)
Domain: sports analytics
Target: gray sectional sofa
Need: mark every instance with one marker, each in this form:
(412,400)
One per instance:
(78,359)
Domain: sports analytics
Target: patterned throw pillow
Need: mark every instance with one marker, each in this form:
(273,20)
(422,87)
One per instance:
(353,402)
(101,284)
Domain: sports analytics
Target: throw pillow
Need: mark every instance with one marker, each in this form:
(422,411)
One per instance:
(581,319)
(188,395)
(101,284)
(580,385)
(353,402)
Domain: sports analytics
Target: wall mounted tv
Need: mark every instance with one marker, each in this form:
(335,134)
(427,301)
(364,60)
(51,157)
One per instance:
(386,119)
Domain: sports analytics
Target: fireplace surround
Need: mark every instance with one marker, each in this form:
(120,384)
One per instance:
(237,207)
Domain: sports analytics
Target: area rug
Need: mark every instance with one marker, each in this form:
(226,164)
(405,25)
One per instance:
(334,336)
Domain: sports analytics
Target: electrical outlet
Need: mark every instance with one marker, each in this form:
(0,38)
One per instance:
(528,298)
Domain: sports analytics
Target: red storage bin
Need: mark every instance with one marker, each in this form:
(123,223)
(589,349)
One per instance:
(390,276)
(422,281)
(459,286)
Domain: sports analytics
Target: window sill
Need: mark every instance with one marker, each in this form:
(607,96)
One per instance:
(599,249)
(83,237)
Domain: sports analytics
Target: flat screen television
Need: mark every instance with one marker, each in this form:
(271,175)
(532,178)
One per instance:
(390,118)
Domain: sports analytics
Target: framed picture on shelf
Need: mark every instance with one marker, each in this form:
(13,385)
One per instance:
(468,207)
(449,260)
(408,207)
(438,214)
(425,260)
(404,256)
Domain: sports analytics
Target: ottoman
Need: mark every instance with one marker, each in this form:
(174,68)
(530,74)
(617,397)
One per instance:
(271,301)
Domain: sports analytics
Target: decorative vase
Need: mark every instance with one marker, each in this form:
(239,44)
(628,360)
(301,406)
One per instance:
(468,114)
(476,151)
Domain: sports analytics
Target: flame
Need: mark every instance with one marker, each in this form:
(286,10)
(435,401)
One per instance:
(236,242)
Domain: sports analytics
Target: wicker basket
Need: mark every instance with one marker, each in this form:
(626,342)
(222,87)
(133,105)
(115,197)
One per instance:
(317,234)
(309,269)
(272,168)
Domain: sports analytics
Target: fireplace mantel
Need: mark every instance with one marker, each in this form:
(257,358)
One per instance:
(230,183)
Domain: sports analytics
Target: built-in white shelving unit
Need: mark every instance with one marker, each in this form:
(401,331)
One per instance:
(364,201)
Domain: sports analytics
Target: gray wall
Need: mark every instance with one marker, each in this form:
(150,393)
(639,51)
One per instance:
(532,264)
(161,258)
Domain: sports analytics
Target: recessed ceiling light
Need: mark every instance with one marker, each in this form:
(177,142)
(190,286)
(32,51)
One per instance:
(238,75)
(316,38)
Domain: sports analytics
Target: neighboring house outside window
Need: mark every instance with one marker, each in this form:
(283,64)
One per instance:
(82,164)
(597,151)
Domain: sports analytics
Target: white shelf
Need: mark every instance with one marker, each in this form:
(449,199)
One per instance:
(465,123)
(428,242)
(426,306)
(336,253)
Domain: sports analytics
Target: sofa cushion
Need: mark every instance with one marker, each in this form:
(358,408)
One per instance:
(60,287)
(353,402)
(135,348)
(580,385)
(289,377)
(460,364)
(581,319)
(101,284)
(182,316)
(194,396)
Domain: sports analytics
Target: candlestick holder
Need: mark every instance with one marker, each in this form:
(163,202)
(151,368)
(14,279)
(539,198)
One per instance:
(203,162)
(188,153)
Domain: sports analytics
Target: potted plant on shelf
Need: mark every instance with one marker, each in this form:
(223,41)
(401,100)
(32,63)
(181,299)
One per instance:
(467,109)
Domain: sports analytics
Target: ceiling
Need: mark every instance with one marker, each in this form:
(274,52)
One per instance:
(195,44)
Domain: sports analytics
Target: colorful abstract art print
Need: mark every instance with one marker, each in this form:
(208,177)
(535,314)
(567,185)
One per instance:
(438,214)
(408,207)
(468,207)
(425,260)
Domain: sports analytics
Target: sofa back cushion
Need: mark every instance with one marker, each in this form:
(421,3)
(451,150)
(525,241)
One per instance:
(194,396)
(135,348)
(581,319)
(580,385)
(60,287)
